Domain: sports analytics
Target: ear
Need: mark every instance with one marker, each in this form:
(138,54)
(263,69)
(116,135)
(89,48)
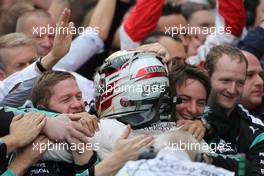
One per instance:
(2,74)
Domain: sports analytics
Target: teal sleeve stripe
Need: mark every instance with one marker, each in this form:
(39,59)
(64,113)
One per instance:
(85,173)
(258,139)
(8,172)
(17,111)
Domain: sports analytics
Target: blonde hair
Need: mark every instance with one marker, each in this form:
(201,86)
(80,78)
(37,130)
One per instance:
(13,40)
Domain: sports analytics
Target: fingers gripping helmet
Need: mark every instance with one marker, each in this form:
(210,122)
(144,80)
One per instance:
(128,87)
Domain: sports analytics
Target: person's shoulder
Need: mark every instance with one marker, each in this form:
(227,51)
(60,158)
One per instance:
(247,116)
(259,111)
(113,122)
(111,126)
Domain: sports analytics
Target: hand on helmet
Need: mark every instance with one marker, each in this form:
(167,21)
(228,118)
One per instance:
(157,48)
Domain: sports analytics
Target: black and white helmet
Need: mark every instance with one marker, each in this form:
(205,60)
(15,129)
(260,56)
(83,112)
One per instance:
(129,86)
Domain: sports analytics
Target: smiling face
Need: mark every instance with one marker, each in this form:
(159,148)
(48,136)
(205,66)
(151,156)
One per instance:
(66,97)
(202,19)
(193,95)
(39,29)
(227,82)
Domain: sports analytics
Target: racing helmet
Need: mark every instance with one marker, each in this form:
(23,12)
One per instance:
(129,87)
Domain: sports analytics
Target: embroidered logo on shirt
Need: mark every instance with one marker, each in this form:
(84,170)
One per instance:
(253,129)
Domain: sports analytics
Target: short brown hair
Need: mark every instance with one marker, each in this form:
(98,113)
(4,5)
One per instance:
(41,92)
(183,71)
(217,52)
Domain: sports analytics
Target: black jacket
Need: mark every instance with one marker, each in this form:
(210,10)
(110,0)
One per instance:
(259,111)
(241,133)
(5,121)
(41,168)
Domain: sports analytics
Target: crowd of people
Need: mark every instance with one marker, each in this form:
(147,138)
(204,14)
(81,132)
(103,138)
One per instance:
(122,87)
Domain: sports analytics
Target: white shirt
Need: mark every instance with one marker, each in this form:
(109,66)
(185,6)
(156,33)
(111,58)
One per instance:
(167,163)
(110,130)
(11,81)
(85,85)
(82,49)
(104,140)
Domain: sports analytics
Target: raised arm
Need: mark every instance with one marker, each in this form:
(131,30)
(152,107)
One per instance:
(103,16)
(230,21)
(142,20)
(8,86)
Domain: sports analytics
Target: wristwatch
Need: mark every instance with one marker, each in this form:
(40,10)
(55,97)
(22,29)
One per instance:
(40,66)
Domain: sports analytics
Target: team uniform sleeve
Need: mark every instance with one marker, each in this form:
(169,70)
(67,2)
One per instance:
(142,21)
(230,21)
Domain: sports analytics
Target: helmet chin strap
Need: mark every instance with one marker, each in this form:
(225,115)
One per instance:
(174,102)
(138,120)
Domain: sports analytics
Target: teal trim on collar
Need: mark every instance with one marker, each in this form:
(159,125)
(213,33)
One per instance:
(258,139)
(8,172)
